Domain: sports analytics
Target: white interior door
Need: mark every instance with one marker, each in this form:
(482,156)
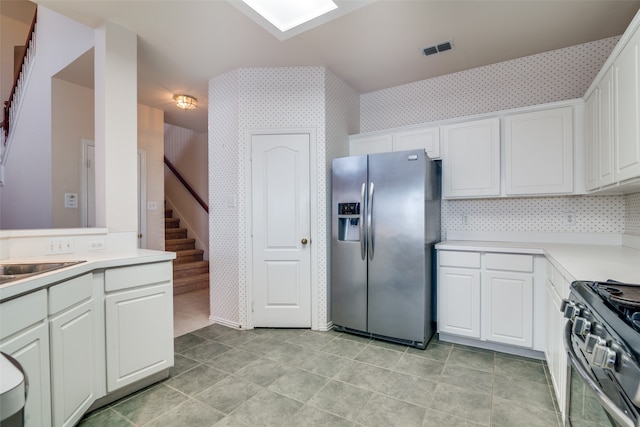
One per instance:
(281,231)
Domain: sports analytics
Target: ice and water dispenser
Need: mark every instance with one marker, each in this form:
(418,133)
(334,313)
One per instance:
(349,222)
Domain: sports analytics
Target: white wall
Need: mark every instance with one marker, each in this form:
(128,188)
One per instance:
(71,121)
(26,200)
(151,141)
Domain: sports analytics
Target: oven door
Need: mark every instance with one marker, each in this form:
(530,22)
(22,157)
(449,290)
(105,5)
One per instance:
(595,399)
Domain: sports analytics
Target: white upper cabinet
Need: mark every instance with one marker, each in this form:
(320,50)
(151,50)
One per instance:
(599,141)
(471,159)
(605,140)
(591,140)
(360,145)
(627,111)
(538,150)
(613,120)
(426,138)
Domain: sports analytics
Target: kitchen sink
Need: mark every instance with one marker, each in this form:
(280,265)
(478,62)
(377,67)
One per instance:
(11,272)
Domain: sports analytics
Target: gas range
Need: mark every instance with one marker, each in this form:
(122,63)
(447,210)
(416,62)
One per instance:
(602,338)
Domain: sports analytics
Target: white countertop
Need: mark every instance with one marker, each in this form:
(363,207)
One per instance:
(91,263)
(580,261)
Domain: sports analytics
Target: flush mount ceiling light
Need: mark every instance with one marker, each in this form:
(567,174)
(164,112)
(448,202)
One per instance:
(287,14)
(185,102)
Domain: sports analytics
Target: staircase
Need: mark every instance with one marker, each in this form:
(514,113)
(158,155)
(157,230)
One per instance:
(190,272)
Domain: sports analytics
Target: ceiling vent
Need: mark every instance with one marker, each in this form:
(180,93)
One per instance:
(439,48)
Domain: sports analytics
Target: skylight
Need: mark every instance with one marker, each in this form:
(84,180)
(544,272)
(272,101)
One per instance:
(288,14)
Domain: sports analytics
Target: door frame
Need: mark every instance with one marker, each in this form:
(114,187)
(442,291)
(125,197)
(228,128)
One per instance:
(246,297)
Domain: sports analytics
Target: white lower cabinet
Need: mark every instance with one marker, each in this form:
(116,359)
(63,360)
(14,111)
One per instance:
(139,322)
(75,345)
(459,301)
(557,288)
(507,308)
(24,335)
(486,296)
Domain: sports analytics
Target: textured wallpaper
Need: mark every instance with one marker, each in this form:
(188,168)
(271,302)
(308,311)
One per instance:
(262,98)
(537,79)
(547,77)
(224,100)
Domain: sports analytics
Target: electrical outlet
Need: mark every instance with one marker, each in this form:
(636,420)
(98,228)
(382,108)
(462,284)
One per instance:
(62,245)
(152,206)
(570,218)
(96,245)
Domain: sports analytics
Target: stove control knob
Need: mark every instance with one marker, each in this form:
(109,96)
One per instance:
(571,310)
(591,341)
(581,326)
(603,357)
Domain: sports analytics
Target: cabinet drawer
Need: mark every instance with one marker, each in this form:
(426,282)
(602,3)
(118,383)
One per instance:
(22,312)
(69,293)
(509,262)
(459,259)
(137,275)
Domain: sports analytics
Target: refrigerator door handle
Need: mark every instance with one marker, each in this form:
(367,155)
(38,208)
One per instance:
(363,237)
(370,241)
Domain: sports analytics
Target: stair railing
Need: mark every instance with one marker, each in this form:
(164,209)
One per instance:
(186,184)
(17,90)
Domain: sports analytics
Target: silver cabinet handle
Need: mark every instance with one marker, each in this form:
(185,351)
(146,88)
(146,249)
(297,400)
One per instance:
(363,237)
(370,222)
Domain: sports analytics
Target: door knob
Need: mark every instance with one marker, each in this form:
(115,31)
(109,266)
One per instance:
(304,241)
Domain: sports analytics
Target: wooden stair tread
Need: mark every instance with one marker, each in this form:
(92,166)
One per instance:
(190,271)
(189,279)
(192,264)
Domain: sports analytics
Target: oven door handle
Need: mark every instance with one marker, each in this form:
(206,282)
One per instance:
(608,405)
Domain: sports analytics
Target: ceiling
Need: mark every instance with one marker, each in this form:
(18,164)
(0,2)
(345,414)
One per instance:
(183,43)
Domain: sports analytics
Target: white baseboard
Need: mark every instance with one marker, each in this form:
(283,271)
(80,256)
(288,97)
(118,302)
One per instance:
(226,322)
(501,348)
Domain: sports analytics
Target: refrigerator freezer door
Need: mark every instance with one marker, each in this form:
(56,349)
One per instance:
(348,234)
(397,271)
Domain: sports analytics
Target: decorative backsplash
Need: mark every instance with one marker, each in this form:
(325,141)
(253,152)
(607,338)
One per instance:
(593,214)
(632,214)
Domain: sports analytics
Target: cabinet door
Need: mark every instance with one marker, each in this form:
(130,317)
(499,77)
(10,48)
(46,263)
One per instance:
(73,363)
(627,111)
(31,349)
(427,139)
(591,140)
(605,139)
(25,336)
(360,145)
(139,333)
(539,152)
(471,159)
(459,301)
(507,308)
(554,348)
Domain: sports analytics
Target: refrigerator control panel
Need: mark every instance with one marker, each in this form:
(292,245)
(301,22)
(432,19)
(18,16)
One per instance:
(348,208)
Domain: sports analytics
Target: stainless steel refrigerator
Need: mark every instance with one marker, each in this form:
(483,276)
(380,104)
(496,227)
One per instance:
(385,223)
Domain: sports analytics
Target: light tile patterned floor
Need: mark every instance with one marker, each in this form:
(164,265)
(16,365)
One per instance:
(190,311)
(297,377)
